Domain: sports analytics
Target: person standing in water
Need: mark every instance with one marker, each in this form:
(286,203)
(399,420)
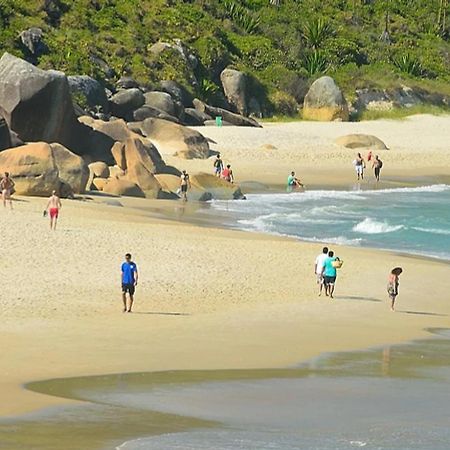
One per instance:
(6,188)
(218,166)
(227,174)
(318,268)
(377,165)
(393,283)
(53,207)
(293,182)
(359,164)
(129,278)
(185,184)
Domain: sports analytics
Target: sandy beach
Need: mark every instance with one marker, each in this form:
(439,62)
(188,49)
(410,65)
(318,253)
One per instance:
(208,298)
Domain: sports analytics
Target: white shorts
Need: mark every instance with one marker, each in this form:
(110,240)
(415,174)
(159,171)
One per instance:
(319,278)
(359,169)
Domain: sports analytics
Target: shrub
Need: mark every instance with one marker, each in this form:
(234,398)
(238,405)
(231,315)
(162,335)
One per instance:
(408,64)
(242,16)
(316,32)
(283,103)
(316,62)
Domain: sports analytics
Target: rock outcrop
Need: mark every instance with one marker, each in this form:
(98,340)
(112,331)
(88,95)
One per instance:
(122,186)
(36,104)
(234,87)
(361,141)
(325,102)
(5,135)
(227,116)
(32,40)
(125,102)
(39,168)
(175,139)
(160,100)
(92,91)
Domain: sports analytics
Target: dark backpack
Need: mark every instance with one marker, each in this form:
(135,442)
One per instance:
(380,164)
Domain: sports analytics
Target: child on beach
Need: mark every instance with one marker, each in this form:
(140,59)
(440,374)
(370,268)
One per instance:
(392,286)
(227,174)
(218,165)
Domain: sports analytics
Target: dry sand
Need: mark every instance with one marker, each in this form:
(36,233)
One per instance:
(418,149)
(208,298)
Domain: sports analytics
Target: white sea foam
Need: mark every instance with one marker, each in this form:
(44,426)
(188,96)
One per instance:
(433,230)
(370,226)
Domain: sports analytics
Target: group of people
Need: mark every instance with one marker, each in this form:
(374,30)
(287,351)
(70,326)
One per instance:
(360,165)
(222,171)
(326,267)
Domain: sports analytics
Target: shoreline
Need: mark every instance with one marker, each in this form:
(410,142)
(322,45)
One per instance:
(219,314)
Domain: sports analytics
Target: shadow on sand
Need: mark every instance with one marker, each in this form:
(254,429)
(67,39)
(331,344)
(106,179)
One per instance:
(423,313)
(156,313)
(352,297)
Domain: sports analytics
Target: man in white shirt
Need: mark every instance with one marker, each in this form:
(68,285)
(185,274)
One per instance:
(318,268)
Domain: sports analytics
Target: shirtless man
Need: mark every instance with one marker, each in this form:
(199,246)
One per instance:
(185,184)
(6,187)
(53,207)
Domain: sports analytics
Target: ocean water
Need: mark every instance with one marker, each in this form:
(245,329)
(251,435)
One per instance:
(410,220)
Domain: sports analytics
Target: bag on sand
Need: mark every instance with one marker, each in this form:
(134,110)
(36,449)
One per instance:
(337,264)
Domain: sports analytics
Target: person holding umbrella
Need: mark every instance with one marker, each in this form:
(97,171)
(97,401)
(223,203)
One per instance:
(392,286)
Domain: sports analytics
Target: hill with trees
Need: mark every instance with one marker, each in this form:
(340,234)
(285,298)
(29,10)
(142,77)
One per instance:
(281,45)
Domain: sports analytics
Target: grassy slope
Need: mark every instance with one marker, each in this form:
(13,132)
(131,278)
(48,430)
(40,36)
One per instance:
(277,55)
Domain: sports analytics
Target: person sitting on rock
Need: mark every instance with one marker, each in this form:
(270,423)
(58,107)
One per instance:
(227,174)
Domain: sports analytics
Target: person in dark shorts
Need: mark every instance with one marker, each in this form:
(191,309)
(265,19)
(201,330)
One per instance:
(392,287)
(218,166)
(329,274)
(129,282)
(377,165)
(185,184)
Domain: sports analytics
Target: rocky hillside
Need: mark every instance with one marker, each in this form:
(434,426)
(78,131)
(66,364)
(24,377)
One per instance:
(381,53)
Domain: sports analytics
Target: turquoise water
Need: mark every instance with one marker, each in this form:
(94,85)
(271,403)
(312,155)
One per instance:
(411,220)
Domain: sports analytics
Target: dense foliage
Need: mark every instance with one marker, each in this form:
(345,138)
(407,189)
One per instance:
(281,44)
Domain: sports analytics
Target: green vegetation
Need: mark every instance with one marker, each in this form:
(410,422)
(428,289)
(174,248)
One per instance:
(282,45)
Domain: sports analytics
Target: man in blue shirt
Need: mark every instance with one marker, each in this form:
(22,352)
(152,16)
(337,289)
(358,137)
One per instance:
(129,282)
(329,274)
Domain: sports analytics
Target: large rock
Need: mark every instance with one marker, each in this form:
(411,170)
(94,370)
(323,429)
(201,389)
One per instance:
(195,118)
(227,116)
(176,139)
(122,186)
(177,92)
(5,135)
(234,87)
(361,141)
(99,169)
(40,168)
(36,104)
(72,169)
(32,40)
(92,91)
(325,101)
(125,102)
(148,111)
(160,100)
(139,163)
(204,187)
(127,83)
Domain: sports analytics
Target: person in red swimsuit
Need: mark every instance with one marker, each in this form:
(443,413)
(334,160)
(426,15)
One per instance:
(53,207)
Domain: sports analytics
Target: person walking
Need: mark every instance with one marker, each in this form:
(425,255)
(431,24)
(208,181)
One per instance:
(129,278)
(218,166)
(360,165)
(377,165)
(7,188)
(227,174)
(185,184)
(53,207)
(318,268)
(393,283)
(330,273)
